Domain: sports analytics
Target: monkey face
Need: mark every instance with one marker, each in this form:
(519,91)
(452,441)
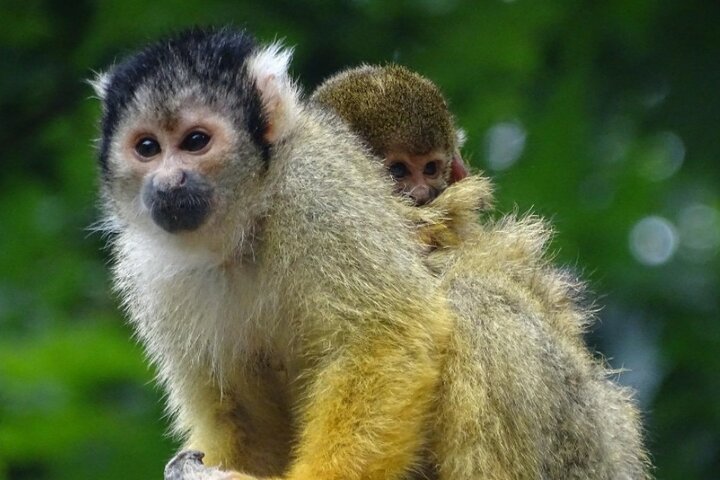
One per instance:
(419,176)
(187,139)
(178,168)
(174,189)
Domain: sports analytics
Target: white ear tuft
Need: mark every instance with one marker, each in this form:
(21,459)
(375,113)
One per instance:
(268,67)
(100,84)
(460,137)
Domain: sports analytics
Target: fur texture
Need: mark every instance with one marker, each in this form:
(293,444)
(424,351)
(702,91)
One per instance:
(522,397)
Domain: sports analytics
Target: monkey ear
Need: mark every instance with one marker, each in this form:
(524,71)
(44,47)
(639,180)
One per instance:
(460,137)
(100,84)
(279,96)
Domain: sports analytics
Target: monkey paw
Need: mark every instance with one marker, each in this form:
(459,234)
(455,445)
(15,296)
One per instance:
(188,465)
(183,465)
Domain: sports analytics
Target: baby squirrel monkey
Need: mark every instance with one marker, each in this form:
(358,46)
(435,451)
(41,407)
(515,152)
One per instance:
(281,291)
(267,268)
(405,120)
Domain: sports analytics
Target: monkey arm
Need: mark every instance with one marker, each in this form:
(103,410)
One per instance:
(452,218)
(365,415)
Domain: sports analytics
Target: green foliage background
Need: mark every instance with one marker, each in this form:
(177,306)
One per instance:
(595,114)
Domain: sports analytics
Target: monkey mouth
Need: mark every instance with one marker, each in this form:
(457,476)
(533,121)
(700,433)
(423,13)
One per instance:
(183,205)
(421,199)
(176,213)
(180,214)
(178,210)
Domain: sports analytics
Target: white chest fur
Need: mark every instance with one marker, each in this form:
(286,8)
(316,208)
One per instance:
(187,307)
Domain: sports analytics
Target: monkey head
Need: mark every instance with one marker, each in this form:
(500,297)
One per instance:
(187,129)
(404,119)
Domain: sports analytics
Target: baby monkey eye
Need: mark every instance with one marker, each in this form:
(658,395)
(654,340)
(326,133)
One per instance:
(398,170)
(431,168)
(147,147)
(195,141)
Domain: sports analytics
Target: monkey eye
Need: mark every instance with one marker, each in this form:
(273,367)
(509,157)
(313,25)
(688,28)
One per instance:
(398,170)
(195,141)
(147,147)
(431,169)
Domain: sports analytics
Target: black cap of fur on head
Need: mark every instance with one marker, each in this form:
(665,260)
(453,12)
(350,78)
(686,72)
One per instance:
(391,107)
(209,60)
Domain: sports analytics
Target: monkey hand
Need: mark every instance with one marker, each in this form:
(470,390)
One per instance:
(188,465)
(444,222)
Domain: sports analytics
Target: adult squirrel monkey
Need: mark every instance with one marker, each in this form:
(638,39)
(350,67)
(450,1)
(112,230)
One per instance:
(265,264)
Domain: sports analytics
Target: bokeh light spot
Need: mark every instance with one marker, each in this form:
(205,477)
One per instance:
(699,227)
(504,143)
(653,240)
(664,157)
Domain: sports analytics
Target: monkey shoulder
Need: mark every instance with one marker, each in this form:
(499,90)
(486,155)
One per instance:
(333,216)
(325,177)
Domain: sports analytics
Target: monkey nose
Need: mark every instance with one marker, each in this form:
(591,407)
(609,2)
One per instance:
(421,195)
(178,200)
(169,180)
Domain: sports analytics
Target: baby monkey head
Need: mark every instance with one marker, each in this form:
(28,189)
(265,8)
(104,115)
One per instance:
(188,128)
(404,119)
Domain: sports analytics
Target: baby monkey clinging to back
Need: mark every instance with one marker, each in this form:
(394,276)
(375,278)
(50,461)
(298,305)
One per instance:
(404,119)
